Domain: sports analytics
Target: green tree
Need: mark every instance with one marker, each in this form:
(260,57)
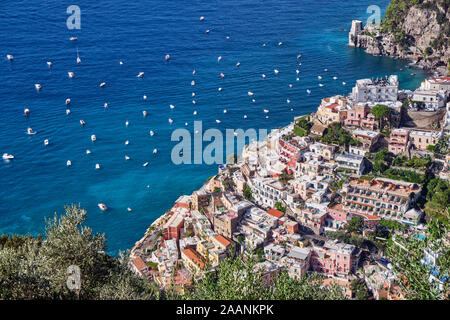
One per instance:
(381,112)
(247,192)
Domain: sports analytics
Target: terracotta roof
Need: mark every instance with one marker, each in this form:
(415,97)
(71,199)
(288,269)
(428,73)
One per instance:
(318,128)
(194,257)
(276,213)
(139,263)
(222,240)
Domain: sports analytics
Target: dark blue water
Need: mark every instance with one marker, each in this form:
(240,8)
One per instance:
(37,182)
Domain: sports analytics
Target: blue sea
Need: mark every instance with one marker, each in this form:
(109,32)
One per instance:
(37,183)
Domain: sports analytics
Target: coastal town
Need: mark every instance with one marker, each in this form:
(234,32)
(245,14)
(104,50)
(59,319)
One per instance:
(324,194)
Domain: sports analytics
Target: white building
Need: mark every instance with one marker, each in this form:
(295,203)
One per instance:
(376,90)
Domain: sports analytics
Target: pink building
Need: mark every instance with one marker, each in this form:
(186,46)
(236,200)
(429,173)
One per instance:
(173,226)
(360,116)
(398,141)
(334,258)
(289,153)
(337,216)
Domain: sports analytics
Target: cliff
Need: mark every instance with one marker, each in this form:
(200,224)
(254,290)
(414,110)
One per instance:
(418,30)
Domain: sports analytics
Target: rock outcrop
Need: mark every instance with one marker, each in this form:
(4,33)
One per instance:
(418,30)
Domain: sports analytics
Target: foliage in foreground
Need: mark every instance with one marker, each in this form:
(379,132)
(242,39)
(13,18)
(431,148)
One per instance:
(237,279)
(36,268)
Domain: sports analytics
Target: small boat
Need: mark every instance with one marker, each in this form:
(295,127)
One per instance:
(68,163)
(192,83)
(219,58)
(219,89)
(299,56)
(222,75)
(343,83)
(263,76)
(308,91)
(167,57)
(144,113)
(196,131)
(26,111)
(105,105)
(97,166)
(321,84)
(82,122)
(38,86)
(202,18)
(276,71)
(145,164)
(155,151)
(93,138)
(78,59)
(193,94)
(266,111)
(67,111)
(129,209)
(319,77)
(46,142)
(7,156)
(227,37)
(297,79)
(288,101)
(151,133)
(140,74)
(144,97)
(253,100)
(73,38)
(30,131)
(172,106)
(70,74)
(280,43)
(297,71)
(225,111)
(194,72)
(218,121)
(102,84)
(49,63)
(126,123)
(326,70)
(335,78)
(88,151)
(68,101)
(127,157)
(195,112)
(194,102)
(290,85)
(207,31)
(121,62)
(102,206)
(250,93)
(170,121)
(186,124)
(127,142)
(245,116)
(10,57)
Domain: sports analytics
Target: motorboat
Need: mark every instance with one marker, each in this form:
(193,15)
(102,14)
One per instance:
(68,163)
(97,166)
(46,142)
(73,38)
(7,156)
(140,74)
(127,157)
(167,57)
(102,206)
(68,101)
(82,122)
(145,164)
(93,138)
(70,74)
(155,151)
(10,57)
(30,131)
(26,111)
(38,86)
(102,84)
(144,113)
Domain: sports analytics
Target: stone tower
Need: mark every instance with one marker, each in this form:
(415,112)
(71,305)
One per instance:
(355,31)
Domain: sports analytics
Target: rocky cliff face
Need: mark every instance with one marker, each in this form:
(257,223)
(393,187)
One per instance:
(412,29)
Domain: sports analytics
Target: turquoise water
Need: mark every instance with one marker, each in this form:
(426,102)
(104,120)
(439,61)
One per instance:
(37,182)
